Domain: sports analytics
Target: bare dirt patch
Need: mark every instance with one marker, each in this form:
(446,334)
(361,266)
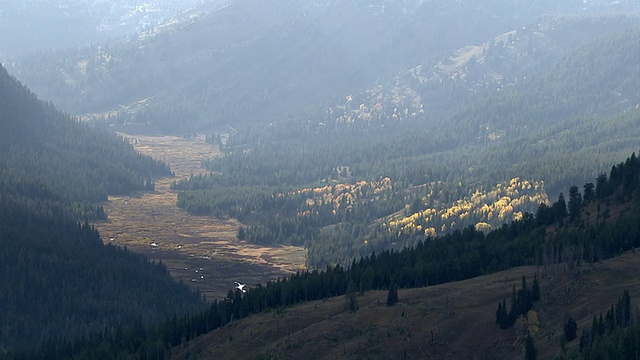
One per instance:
(199,250)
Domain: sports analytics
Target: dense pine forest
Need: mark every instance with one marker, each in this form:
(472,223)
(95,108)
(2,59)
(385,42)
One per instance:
(58,282)
(56,163)
(599,222)
(338,184)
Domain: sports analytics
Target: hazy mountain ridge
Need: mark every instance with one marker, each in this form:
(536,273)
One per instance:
(437,89)
(79,163)
(308,54)
(36,25)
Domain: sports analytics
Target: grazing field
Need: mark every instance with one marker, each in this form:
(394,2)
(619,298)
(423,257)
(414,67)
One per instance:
(199,250)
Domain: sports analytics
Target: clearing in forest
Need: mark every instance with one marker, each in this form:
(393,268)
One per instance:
(199,250)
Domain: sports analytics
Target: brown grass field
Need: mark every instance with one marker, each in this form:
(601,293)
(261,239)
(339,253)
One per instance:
(449,321)
(199,250)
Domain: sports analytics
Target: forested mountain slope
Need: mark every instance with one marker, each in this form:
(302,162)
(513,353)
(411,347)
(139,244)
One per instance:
(53,160)
(340,148)
(437,89)
(564,244)
(333,185)
(253,62)
(454,320)
(564,241)
(582,292)
(599,78)
(58,282)
(36,25)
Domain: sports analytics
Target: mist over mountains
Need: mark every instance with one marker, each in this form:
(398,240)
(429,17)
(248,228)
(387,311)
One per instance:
(443,98)
(260,61)
(426,132)
(36,25)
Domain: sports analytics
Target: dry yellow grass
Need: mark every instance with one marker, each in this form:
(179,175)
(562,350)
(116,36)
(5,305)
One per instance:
(449,321)
(199,250)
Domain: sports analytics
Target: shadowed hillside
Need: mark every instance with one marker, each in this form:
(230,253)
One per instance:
(581,274)
(455,320)
(58,282)
(573,260)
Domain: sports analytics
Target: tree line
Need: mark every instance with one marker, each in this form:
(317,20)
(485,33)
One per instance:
(456,256)
(58,281)
(471,148)
(51,158)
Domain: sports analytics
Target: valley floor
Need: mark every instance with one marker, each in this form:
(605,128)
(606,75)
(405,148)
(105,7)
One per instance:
(198,250)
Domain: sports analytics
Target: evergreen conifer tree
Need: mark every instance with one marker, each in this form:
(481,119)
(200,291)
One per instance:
(392,296)
(530,350)
(570,329)
(535,289)
(575,203)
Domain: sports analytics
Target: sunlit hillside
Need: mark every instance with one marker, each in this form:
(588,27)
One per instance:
(486,210)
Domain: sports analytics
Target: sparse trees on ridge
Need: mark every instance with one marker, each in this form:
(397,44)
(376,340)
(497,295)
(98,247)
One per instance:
(521,302)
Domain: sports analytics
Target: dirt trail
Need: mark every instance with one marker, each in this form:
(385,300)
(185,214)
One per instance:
(199,250)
